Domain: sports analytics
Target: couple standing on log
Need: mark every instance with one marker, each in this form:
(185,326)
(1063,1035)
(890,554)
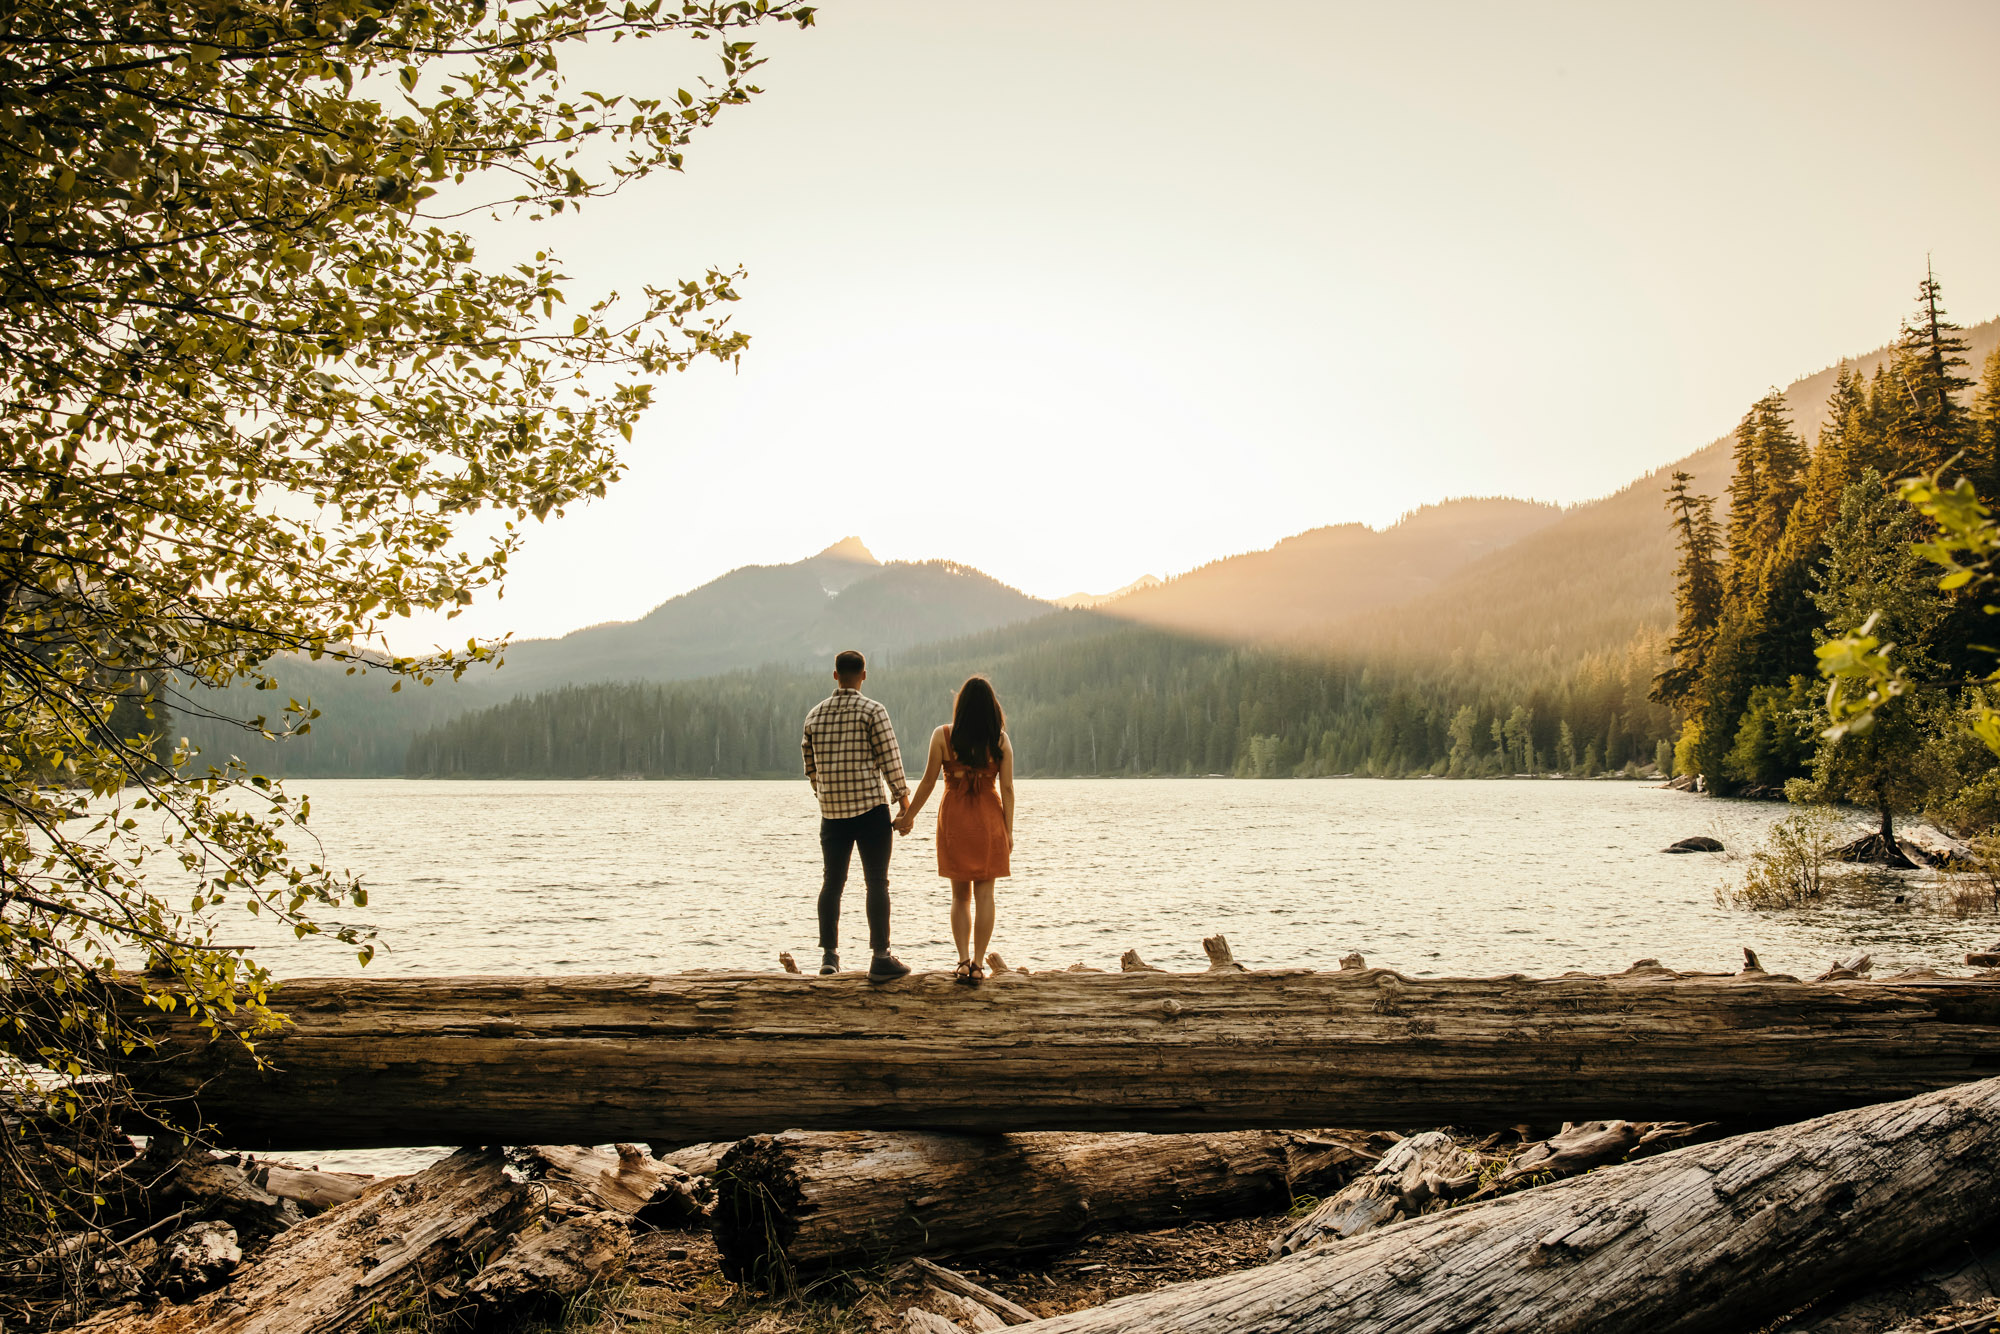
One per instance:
(852,760)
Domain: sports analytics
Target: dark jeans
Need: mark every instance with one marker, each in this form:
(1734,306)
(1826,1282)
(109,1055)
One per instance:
(872,833)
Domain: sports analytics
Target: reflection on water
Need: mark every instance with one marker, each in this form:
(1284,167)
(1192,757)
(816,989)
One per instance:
(1426,877)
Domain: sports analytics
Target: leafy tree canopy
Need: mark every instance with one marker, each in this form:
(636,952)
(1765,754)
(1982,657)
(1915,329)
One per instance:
(253,377)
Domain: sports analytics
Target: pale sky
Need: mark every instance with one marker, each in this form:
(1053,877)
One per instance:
(1080,291)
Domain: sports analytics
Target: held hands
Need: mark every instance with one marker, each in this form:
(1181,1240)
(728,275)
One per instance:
(905,822)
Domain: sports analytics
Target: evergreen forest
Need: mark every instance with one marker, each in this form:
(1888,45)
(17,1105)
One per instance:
(1815,542)
(1088,696)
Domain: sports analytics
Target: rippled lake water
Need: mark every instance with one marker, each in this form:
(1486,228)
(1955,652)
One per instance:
(1427,877)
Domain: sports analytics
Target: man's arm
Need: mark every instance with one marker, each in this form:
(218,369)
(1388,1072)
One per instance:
(806,749)
(888,755)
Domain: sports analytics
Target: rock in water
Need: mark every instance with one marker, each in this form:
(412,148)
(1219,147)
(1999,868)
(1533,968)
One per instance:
(197,1258)
(1699,843)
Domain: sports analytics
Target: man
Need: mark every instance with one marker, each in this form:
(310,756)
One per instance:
(850,751)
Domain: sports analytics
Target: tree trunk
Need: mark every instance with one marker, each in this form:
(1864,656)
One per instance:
(816,1200)
(1717,1236)
(694,1057)
(329,1274)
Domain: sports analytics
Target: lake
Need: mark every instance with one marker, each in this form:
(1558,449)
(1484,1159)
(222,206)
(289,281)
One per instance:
(1427,877)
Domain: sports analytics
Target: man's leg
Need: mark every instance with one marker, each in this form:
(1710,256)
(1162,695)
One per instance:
(836,846)
(877,838)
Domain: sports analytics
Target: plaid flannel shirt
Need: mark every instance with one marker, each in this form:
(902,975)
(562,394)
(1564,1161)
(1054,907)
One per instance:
(850,749)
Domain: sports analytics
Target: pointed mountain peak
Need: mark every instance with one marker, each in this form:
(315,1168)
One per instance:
(849,549)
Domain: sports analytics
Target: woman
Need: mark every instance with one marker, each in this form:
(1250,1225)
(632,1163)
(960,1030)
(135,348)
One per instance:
(975,826)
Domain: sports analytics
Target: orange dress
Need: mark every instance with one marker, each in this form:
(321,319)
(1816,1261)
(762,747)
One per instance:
(971,827)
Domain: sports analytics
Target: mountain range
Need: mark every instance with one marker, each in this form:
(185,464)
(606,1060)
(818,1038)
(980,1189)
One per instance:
(1492,580)
(803,612)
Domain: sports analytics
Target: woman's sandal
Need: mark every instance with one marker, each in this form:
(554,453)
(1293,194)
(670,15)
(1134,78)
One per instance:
(968,970)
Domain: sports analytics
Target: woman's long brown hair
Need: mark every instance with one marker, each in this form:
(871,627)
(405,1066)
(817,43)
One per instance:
(976,723)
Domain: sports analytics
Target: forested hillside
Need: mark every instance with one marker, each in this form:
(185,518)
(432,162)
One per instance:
(778,614)
(1088,696)
(1476,637)
(785,615)
(1305,585)
(1816,542)
(1599,574)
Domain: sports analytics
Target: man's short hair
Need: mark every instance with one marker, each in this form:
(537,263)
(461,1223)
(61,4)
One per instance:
(849,663)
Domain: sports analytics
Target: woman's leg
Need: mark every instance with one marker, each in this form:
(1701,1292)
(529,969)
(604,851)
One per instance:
(961,916)
(983,928)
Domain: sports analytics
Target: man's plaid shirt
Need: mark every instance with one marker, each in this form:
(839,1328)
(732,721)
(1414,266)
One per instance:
(850,749)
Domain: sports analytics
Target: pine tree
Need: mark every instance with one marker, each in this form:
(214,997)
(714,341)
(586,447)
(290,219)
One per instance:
(1697,593)
(1836,460)
(1786,613)
(1781,467)
(1930,424)
(1983,457)
(1728,676)
(1746,503)
(1873,570)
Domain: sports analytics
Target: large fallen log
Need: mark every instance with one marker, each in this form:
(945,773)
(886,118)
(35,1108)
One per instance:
(717,1056)
(829,1199)
(367,1257)
(1717,1236)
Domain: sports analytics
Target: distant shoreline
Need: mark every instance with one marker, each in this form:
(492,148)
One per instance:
(1654,779)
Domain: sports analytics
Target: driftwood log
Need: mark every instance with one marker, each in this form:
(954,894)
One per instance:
(1411,1175)
(715,1056)
(621,1179)
(1432,1169)
(1716,1236)
(540,1268)
(333,1271)
(314,1190)
(815,1200)
(1955,1275)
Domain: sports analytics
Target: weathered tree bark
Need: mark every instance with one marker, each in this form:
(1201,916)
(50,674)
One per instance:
(541,1269)
(1409,1176)
(716,1056)
(625,1179)
(812,1200)
(216,1188)
(1713,1237)
(316,1191)
(328,1274)
(1960,1272)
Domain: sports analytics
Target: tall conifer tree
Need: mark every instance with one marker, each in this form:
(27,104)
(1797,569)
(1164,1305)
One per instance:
(1930,423)
(1836,460)
(1697,592)
(1781,466)
(1746,503)
(1982,463)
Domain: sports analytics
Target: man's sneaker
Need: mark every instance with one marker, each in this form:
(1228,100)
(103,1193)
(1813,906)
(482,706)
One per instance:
(829,964)
(887,968)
